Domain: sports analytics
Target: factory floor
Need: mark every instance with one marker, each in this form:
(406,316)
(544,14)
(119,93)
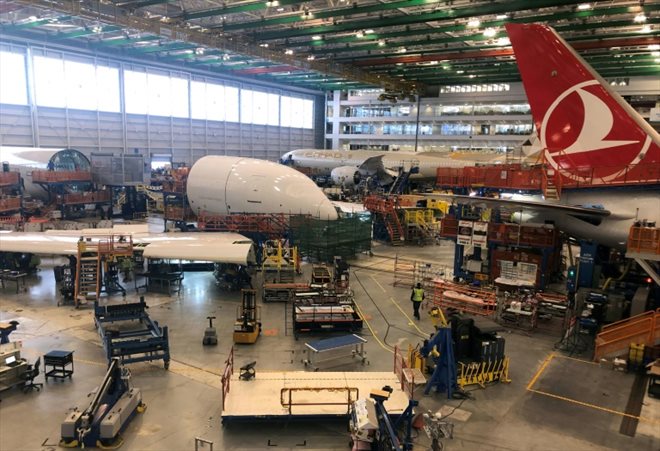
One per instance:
(551,403)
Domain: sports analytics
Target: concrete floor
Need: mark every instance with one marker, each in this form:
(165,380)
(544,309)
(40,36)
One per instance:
(184,402)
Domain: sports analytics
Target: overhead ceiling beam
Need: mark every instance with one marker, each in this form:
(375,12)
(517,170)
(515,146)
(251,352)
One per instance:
(100,11)
(241,8)
(601,43)
(565,15)
(444,14)
(135,4)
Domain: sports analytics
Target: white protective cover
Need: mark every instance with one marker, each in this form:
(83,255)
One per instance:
(225,185)
(215,247)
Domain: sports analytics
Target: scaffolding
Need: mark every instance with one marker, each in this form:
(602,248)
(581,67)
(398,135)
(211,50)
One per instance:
(321,240)
(408,273)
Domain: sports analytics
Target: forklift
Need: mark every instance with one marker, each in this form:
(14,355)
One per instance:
(248,319)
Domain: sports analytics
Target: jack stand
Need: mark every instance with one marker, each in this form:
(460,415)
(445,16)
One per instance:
(210,335)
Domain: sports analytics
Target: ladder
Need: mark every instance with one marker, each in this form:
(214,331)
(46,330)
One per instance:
(387,210)
(551,183)
(88,269)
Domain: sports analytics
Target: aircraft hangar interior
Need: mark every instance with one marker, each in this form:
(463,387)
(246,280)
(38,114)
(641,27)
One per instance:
(387,225)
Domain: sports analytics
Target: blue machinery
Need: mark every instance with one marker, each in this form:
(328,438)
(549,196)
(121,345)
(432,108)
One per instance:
(441,349)
(130,344)
(388,439)
(113,404)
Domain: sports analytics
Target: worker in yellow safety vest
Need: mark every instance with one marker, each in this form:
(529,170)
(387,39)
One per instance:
(417,296)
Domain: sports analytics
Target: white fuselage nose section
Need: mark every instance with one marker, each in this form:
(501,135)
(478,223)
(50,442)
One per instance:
(225,185)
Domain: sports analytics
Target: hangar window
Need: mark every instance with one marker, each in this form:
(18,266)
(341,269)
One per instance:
(207,101)
(156,95)
(64,83)
(13,88)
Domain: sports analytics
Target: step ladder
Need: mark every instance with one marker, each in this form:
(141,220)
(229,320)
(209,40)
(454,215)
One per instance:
(551,184)
(88,272)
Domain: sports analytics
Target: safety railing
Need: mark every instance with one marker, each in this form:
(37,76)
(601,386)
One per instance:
(287,401)
(644,240)
(226,376)
(39,176)
(515,176)
(90,197)
(617,337)
(404,373)
(9,178)
(10,203)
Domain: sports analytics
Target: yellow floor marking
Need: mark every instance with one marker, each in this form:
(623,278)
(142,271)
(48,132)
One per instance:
(540,370)
(371,330)
(543,367)
(378,283)
(410,321)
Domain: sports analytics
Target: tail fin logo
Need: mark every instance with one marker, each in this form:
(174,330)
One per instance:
(574,144)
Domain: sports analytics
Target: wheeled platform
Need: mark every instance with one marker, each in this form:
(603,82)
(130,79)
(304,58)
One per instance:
(299,394)
(129,334)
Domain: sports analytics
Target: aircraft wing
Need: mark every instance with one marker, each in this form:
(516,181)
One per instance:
(374,166)
(216,247)
(573,210)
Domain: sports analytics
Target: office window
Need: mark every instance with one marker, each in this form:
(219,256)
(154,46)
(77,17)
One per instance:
(49,82)
(13,88)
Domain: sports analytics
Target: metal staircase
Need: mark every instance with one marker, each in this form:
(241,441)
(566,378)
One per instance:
(92,253)
(386,209)
(401,182)
(88,269)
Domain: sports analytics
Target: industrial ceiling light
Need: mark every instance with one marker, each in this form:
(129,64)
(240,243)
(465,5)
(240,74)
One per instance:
(402,50)
(645,29)
(639,18)
(316,37)
(471,76)
(288,52)
(503,42)
(225,57)
(584,6)
(310,58)
(654,47)
(490,32)
(460,71)
(381,43)
(280,9)
(656,53)
(502,16)
(264,45)
(473,23)
(359,34)
(369,31)
(199,51)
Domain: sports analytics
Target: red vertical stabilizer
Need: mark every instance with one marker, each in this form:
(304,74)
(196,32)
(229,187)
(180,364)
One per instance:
(589,133)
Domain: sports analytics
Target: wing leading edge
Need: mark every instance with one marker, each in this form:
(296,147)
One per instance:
(574,210)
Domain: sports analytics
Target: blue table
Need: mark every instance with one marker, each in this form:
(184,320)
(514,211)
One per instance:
(353,342)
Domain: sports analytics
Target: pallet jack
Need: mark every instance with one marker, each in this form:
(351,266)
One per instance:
(247,326)
(210,335)
(113,404)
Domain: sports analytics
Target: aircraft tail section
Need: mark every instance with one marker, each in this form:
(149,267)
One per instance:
(588,132)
